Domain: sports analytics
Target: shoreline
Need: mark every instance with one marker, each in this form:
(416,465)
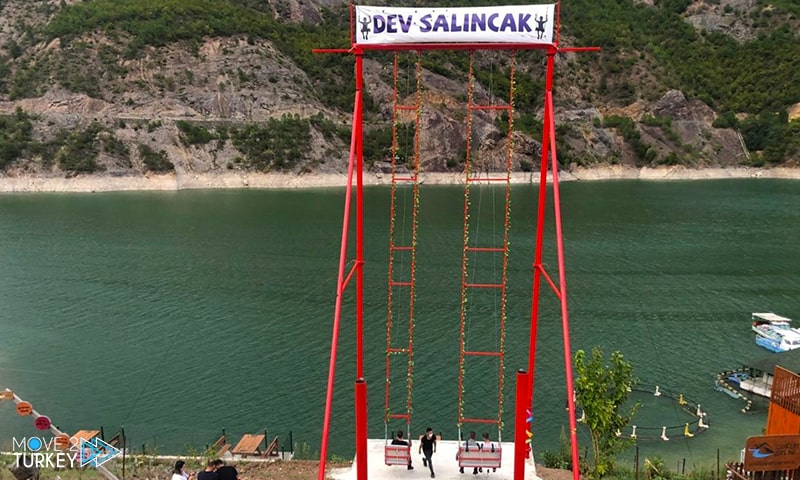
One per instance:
(249,180)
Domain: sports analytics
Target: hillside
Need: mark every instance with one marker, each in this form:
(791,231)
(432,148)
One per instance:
(202,86)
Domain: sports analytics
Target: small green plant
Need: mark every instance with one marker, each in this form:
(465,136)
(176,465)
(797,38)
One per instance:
(15,136)
(155,161)
(79,153)
(302,451)
(656,469)
(279,145)
(602,391)
(191,134)
(562,459)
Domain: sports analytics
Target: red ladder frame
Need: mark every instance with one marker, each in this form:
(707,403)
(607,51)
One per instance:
(409,283)
(466,284)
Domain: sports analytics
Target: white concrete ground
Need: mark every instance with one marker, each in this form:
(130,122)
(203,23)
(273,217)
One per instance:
(445,465)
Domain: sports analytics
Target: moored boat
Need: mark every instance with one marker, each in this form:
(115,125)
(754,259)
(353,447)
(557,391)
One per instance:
(774,332)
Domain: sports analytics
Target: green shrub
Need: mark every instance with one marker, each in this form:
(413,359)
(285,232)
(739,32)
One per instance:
(193,134)
(726,120)
(627,128)
(15,136)
(155,161)
(279,145)
(79,151)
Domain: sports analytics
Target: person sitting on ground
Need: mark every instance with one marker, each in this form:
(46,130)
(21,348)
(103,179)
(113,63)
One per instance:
(226,472)
(398,440)
(472,443)
(210,473)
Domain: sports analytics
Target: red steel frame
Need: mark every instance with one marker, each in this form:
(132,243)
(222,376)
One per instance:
(355,164)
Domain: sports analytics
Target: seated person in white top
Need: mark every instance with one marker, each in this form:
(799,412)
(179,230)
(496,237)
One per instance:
(487,445)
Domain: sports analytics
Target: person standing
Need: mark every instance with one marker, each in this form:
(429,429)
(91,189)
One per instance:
(398,440)
(427,447)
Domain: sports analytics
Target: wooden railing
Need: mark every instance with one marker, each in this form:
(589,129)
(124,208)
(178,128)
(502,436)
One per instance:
(736,471)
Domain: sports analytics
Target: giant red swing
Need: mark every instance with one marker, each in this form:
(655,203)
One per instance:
(468,29)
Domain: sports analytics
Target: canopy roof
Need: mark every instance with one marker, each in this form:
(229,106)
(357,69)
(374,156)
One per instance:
(771,317)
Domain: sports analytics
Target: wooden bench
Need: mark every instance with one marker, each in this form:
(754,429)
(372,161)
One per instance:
(221,446)
(397,454)
(116,440)
(249,445)
(272,448)
(474,457)
(85,435)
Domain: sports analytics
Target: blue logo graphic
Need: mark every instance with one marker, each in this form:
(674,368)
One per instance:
(34,444)
(762,451)
(96,452)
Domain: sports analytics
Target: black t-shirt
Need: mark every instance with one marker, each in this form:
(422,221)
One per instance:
(428,443)
(204,475)
(227,473)
(397,441)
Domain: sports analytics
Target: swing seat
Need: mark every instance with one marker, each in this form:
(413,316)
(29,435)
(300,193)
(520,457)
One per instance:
(478,458)
(397,454)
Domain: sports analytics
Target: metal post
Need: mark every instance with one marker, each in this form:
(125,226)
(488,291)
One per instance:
(636,464)
(124,442)
(359,230)
(291,443)
(521,424)
(361,429)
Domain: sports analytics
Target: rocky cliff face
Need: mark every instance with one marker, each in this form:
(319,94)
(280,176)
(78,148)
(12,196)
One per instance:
(225,84)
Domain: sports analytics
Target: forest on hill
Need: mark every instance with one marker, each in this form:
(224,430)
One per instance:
(129,87)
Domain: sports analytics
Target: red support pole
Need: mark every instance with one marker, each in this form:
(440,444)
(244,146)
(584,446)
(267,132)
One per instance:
(573,427)
(521,424)
(355,141)
(537,263)
(361,429)
(359,228)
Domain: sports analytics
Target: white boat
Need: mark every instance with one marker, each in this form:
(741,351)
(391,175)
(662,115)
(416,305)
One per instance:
(775,333)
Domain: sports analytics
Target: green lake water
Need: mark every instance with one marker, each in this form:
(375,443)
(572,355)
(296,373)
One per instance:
(179,314)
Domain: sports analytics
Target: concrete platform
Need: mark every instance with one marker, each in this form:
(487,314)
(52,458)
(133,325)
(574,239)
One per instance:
(444,464)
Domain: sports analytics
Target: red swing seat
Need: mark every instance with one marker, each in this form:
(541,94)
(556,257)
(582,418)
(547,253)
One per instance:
(397,454)
(474,457)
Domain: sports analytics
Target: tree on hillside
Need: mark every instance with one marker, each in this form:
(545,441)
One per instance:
(602,391)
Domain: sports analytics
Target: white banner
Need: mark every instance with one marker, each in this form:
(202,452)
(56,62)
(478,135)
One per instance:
(504,24)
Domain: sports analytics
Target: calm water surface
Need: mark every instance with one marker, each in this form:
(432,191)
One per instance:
(179,314)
